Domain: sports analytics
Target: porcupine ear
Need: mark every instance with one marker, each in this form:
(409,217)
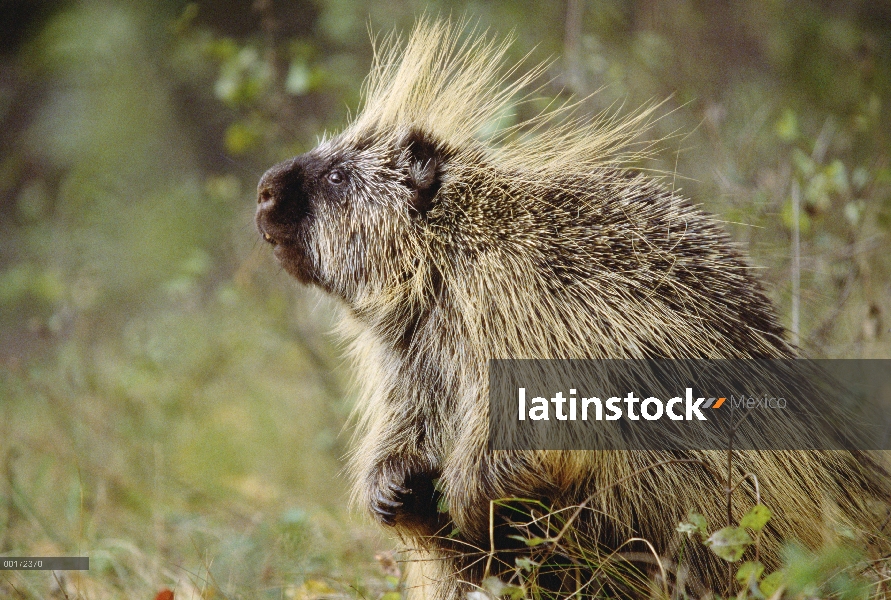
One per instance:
(422,160)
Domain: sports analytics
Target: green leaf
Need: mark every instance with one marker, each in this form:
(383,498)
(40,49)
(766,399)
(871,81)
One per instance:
(513,592)
(498,588)
(771,583)
(695,523)
(185,20)
(748,571)
(804,163)
(222,49)
(837,174)
(531,541)
(442,505)
(828,573)
(299,79)
(25,280)
(242,137)
(688,528)
(756,518)
(525,563)
(860,178)
(786,126)
(804,222)
(854,210)
(817,192)
(699,521)
(729,543)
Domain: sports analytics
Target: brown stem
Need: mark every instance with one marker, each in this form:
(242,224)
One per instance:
(729,490)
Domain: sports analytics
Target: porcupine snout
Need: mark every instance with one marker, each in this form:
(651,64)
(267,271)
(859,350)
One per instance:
(282,201)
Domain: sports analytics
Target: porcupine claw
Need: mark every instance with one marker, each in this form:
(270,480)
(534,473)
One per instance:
(387,501)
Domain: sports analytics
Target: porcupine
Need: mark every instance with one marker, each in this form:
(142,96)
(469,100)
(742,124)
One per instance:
(447,248)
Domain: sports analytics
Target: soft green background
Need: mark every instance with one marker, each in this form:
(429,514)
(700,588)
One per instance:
(171,402)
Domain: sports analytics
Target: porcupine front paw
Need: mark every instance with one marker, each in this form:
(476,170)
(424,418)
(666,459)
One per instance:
(404,495)
(387,500)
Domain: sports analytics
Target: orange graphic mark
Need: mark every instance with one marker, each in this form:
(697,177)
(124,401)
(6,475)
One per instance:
(719,403)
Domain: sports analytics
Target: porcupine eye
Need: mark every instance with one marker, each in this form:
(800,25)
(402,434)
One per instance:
(336,177)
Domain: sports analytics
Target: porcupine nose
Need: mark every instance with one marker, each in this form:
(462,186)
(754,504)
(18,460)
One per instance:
(272,185)
(279,199)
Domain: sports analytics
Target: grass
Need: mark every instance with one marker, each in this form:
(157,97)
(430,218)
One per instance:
(193,447)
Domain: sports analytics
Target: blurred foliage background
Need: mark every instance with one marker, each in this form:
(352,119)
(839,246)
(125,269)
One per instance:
(172,405)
